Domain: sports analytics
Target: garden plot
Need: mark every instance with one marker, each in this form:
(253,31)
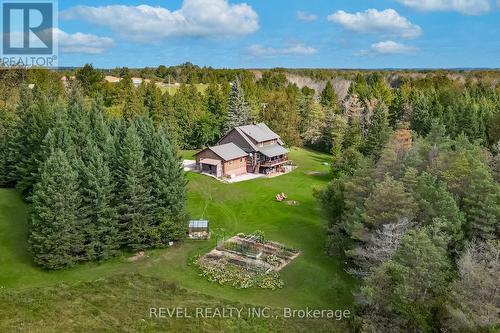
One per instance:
(247,261)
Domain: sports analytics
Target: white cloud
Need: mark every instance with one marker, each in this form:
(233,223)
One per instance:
(468,7)
(308,17)
(385,22)
(196,18)
(80,42)
(391,47)
(300,49)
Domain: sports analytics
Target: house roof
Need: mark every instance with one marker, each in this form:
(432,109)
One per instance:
(259,132)
(273,150)
(228,151)
(246,138)
(198,224)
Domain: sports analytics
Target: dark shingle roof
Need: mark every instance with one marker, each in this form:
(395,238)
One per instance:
(259,132)
(228,151)
(273,150)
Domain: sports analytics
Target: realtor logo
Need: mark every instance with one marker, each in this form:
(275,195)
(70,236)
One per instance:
(28,29)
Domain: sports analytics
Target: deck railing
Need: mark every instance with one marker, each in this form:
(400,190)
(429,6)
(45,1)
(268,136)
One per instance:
(271,163)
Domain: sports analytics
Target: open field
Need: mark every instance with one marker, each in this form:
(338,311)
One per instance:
(313,279)
(201,87)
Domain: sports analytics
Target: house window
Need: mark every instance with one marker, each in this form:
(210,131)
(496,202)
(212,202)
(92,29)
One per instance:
(241,160)
(230,162)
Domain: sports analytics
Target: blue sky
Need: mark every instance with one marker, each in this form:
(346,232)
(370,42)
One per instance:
(281,33)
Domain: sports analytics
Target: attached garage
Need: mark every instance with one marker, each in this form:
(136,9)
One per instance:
(226,160)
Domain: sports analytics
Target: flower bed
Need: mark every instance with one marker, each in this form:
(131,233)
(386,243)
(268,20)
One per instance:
(225,273)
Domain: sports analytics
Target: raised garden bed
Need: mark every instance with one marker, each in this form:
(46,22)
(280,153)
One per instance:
(246,262)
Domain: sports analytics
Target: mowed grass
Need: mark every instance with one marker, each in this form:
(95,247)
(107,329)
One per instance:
(313,279)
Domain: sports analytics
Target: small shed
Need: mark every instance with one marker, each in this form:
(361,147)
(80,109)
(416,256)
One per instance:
(198,229)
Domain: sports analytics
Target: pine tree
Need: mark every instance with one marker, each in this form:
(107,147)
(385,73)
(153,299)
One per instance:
(389,203)
(78,118)
(436,202)
(481,203)
(55,238)
(133,105)
(378,132)
(217,104)
(153,103)
(168,177)
(98,214)
(7,132)
(134,193)
(328,97)
(59,136)
(33,127)
(238,111)
(168,188)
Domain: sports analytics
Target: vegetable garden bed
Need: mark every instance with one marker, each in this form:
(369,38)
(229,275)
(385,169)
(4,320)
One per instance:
(246,262)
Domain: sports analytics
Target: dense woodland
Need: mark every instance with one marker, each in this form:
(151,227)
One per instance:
(414,204)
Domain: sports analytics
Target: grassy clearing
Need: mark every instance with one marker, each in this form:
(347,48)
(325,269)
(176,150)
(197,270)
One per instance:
(201,87)
(313,279)
(122,304)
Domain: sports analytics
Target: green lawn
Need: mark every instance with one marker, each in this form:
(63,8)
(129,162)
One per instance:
(313,279)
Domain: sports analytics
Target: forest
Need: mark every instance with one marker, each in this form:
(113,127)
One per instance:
(413,207)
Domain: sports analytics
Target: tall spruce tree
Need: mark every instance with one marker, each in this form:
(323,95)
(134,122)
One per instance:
(168,178)
(134,193)
(33,127)
(98,214)
(238,111)
(55,238)
(7,131)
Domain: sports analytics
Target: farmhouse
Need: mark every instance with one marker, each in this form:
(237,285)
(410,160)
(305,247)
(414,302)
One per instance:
(244,149)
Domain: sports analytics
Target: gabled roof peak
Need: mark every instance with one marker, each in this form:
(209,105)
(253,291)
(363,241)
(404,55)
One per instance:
(259,132)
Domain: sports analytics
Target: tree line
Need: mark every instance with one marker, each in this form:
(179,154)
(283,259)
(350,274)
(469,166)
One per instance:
(419,225)
(96,183)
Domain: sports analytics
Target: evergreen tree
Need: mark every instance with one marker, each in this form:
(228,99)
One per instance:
(7,131)
(168,187)
(55,238)
(282,115)
(153,103)
(78,118)
(90,79)
(481,204)
(134,193)
(389,203)
(33,127)
(436,202)
(97,212)
(378,132)
(216,104)
(407,291)
(238,111)
(132,106)
(328,97)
